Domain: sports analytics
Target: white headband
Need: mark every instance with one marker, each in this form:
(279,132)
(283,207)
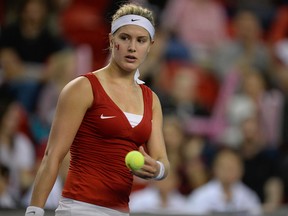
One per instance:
(133,20)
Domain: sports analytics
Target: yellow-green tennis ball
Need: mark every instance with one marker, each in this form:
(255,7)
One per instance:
(134,160)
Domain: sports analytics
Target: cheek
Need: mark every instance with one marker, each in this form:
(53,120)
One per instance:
(142,53)
(119,49)
(117,55)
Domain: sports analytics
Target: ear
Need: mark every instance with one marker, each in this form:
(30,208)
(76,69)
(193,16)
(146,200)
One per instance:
(151,43)
(111,40)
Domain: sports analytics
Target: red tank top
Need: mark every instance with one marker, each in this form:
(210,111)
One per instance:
(97,172)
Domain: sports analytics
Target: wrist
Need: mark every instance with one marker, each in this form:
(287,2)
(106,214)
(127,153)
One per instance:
(34,209)
(161,172)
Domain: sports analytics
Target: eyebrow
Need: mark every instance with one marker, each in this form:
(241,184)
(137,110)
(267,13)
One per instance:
(126,34)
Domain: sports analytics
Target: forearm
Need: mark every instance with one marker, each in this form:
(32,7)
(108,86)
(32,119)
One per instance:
(44,182)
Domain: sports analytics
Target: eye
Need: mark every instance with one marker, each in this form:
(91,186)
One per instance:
(142,40)
(124,37)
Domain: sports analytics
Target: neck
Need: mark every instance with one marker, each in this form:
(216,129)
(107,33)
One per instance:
(227,189)
(117,74)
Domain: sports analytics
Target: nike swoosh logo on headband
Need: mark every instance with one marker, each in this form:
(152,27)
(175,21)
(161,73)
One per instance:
(133,20)
(106,117)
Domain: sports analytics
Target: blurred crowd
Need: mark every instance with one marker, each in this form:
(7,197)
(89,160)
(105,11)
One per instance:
(219,67)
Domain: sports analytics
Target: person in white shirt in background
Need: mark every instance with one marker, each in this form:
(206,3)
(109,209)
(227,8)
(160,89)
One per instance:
(159,197)
(17,151)
(6,199)
(55,194)
(225,193)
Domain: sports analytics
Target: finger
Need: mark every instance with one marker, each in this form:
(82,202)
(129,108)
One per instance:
(148,170)
(143,174)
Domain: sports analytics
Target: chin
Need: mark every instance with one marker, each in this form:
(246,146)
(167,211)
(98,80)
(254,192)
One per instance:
(129,69)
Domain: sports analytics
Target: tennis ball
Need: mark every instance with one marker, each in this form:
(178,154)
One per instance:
(134,160)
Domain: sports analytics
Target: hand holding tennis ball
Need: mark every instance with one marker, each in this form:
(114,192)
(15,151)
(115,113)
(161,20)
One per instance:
(134,160)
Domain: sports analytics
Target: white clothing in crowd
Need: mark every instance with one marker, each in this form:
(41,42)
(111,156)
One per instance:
(209,198)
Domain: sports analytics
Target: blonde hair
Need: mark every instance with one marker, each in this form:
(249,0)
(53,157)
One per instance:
(128,9)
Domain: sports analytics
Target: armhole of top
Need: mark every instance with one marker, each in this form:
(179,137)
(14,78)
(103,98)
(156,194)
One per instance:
(91,77)
(149,96)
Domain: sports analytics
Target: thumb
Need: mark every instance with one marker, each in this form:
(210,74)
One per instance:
(141,149)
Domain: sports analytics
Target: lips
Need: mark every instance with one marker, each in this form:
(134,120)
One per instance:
(130,58)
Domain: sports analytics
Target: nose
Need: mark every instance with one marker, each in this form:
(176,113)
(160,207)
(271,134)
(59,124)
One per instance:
(132,46)
(132,50)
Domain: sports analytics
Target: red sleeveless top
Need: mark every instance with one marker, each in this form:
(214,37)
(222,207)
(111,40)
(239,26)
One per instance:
(97,172)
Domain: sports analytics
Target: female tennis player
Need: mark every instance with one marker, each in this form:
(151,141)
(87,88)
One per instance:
(100,117)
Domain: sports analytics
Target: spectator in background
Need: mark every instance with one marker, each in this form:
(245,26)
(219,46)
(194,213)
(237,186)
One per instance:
(261,164)
(25,46)
(268,103)
(231,63)
(159,197)
(55,194)
(180,84)
(183,93)
(254,97)
(174,136)
(194,171)
(61,70)
(278,39)
(200,24)
(245,49)
(265,10)
(283,85)
(29,36)
(225,193)
(6,199)
(16,149)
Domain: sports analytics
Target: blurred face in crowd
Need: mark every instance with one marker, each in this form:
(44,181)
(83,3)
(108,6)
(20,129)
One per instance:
(34,13)
(247,27)
(11,119)
(184,85)
(173,133)
(254,85)
(228,168)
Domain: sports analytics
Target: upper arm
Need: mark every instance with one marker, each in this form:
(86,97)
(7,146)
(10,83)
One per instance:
(70,110)
(156,144)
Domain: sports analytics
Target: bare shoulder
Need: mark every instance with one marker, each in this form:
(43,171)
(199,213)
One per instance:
(78,84)
(156,101)
(79,90)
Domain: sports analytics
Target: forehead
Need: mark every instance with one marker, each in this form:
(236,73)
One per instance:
(133,30)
